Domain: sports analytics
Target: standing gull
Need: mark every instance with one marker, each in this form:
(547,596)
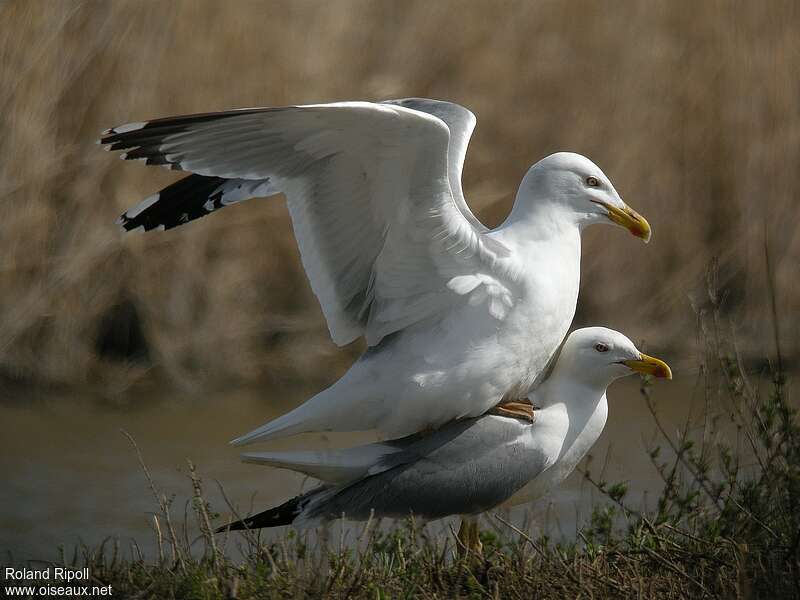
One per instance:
(473,465)
(457,318)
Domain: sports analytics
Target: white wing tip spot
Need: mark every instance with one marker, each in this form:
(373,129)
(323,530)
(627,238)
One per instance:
(125,128)
(142,206)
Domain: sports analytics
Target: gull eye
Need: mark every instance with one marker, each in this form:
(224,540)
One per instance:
(592,181)
(601,347)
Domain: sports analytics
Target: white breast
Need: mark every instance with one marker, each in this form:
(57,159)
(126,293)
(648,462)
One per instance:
(585,424)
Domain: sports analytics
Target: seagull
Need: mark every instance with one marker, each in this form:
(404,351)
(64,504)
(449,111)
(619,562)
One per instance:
(473,465)
(457,318)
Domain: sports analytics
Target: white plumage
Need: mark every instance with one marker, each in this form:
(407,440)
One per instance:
(457,317)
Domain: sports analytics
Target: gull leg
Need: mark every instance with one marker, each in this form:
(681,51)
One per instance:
(475,545)
(517,409)
(462,538)
(469,541)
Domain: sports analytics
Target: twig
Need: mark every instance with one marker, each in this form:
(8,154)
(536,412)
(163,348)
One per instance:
(160,539)
(162,503)
(522,534)
(202,512)
(773,305)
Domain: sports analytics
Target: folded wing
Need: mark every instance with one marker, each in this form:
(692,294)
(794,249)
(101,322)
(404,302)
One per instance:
(466,467)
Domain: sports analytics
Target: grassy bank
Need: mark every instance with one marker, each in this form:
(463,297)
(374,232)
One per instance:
(653,561)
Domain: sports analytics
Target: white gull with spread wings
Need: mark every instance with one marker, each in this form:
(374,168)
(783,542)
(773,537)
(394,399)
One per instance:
(457,317)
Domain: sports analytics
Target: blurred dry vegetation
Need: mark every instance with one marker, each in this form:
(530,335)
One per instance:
(692,109)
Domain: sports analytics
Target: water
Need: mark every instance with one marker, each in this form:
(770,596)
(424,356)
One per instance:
(69,475)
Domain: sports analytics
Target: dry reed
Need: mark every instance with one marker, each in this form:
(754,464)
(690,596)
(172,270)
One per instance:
(691,108)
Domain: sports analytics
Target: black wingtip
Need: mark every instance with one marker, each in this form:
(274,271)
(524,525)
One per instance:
(285,514)
(235,526)
(185,200)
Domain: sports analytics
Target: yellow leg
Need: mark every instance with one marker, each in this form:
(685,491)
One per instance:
(469,541)
(461,537)
(516,409)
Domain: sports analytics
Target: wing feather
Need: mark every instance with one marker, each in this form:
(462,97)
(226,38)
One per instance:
(370,193)
(461,123)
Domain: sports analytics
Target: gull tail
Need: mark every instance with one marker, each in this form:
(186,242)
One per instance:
(331,466)
(330,410)
(289,424)
(190,198)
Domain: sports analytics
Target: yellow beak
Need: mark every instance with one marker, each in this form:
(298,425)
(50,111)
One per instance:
(630,220)
(650,366)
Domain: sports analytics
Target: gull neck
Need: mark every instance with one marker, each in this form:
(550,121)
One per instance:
(573,393)
(547,224)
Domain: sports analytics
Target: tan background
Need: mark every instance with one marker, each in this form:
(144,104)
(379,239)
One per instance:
(692,109)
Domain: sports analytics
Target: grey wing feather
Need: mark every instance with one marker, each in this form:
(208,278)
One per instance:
(464,468)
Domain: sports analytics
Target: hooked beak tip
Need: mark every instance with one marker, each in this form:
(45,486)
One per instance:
(649,365)
(631,220)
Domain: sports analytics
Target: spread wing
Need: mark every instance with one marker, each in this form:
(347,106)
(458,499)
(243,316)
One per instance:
(383,239)
(461,123)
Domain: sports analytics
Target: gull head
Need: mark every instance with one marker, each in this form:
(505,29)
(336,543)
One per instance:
(596,356)
(572,187)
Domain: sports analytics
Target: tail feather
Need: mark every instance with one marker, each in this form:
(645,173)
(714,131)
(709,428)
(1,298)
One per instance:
(348,405)
(333,466)
(288,424)
(191,198)
(319,413)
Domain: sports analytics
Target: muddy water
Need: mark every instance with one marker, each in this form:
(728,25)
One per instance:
(69,475)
